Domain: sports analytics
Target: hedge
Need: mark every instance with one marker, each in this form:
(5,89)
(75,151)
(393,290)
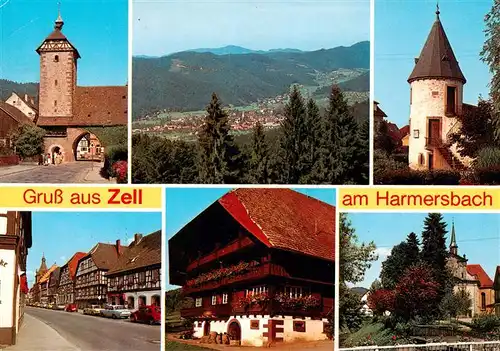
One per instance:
(413,177)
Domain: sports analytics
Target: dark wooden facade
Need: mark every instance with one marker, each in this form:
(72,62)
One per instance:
(91,283)
(222,273)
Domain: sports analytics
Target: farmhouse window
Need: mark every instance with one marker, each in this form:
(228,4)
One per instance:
(214,300)
(256,290)
(198,302)
(299,326)
(296,291)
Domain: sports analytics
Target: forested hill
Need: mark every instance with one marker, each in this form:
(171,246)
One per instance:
(8,86)
(184,81)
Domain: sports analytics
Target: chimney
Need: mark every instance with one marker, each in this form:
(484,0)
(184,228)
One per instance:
(118,247)
(416,60)
(26,98)
(137,238)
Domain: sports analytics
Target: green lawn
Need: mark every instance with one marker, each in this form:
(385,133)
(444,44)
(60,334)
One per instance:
(177,346)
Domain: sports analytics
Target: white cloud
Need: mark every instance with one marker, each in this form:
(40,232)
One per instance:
(383,252)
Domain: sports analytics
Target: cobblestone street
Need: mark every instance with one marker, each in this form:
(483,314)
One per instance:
(72,172)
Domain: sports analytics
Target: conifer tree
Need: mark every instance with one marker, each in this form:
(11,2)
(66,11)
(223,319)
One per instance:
(434,253)
(362,165)
(342,137)
(219,157)
(259,156)
(293,128)
(311,143)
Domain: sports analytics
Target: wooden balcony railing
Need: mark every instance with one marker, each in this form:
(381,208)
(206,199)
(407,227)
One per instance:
(270,308)
(256,273)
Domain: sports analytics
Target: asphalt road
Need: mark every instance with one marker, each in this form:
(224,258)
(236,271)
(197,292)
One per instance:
(71,172)
(90,333)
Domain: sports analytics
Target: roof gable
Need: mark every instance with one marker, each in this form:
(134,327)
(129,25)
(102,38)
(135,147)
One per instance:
(437,59)
(72,264)
(14,113)
(284,219)
(478,273)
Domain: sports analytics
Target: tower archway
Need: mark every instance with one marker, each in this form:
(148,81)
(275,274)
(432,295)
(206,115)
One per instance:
(87,147)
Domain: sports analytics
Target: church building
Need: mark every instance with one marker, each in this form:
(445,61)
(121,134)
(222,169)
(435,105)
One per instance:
(472,278)
(436,101)
(67,111)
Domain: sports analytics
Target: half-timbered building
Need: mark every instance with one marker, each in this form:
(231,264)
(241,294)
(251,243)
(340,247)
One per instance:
(15,240)
(259,266)
(91,282)
(44,285)
(135,279)
(66,289)
(53,285)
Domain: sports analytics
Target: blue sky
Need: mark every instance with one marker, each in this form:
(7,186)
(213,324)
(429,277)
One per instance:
(478,236)
(59,235)
(184,204)
(163,27)
(401,29)
(97,28)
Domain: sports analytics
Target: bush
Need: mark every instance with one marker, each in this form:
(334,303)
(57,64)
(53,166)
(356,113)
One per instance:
(412,177)
(117,153)
(28,140)
(488,175)
(486,323)
(487,157)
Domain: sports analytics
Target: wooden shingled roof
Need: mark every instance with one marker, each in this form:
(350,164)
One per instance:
(437,59)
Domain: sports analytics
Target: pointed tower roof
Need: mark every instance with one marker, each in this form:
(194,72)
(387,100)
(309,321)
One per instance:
(437,59)
(453,243)
(57,36)
(43,264)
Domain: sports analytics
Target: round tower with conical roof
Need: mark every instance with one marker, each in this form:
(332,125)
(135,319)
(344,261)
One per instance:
(436,98)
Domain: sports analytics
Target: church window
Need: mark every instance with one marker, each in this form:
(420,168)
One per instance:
(56,58)
(451,100)
(483,301)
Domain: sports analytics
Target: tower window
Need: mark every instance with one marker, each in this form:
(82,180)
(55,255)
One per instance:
(451,100)
(55,102)
(55,82)
(56,58)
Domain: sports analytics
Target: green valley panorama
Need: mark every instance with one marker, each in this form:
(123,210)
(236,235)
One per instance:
(234,115)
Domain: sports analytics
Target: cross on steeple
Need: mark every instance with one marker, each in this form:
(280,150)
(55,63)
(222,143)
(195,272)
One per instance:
(437,9)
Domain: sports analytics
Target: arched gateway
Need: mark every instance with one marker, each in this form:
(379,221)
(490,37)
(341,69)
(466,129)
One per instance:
(67,111)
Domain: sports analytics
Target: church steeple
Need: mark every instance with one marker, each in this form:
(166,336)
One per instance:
(437,59)
(453,243)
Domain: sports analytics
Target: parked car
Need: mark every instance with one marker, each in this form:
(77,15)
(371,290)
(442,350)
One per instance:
(115,311)
(147,314)
(71,307)
(93,310)
(58,307)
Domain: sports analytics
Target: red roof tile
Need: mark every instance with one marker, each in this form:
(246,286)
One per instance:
(285,219)
(478,272)
(104,255)
(146,252)
(404,131)
(73,264)
(94,106)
